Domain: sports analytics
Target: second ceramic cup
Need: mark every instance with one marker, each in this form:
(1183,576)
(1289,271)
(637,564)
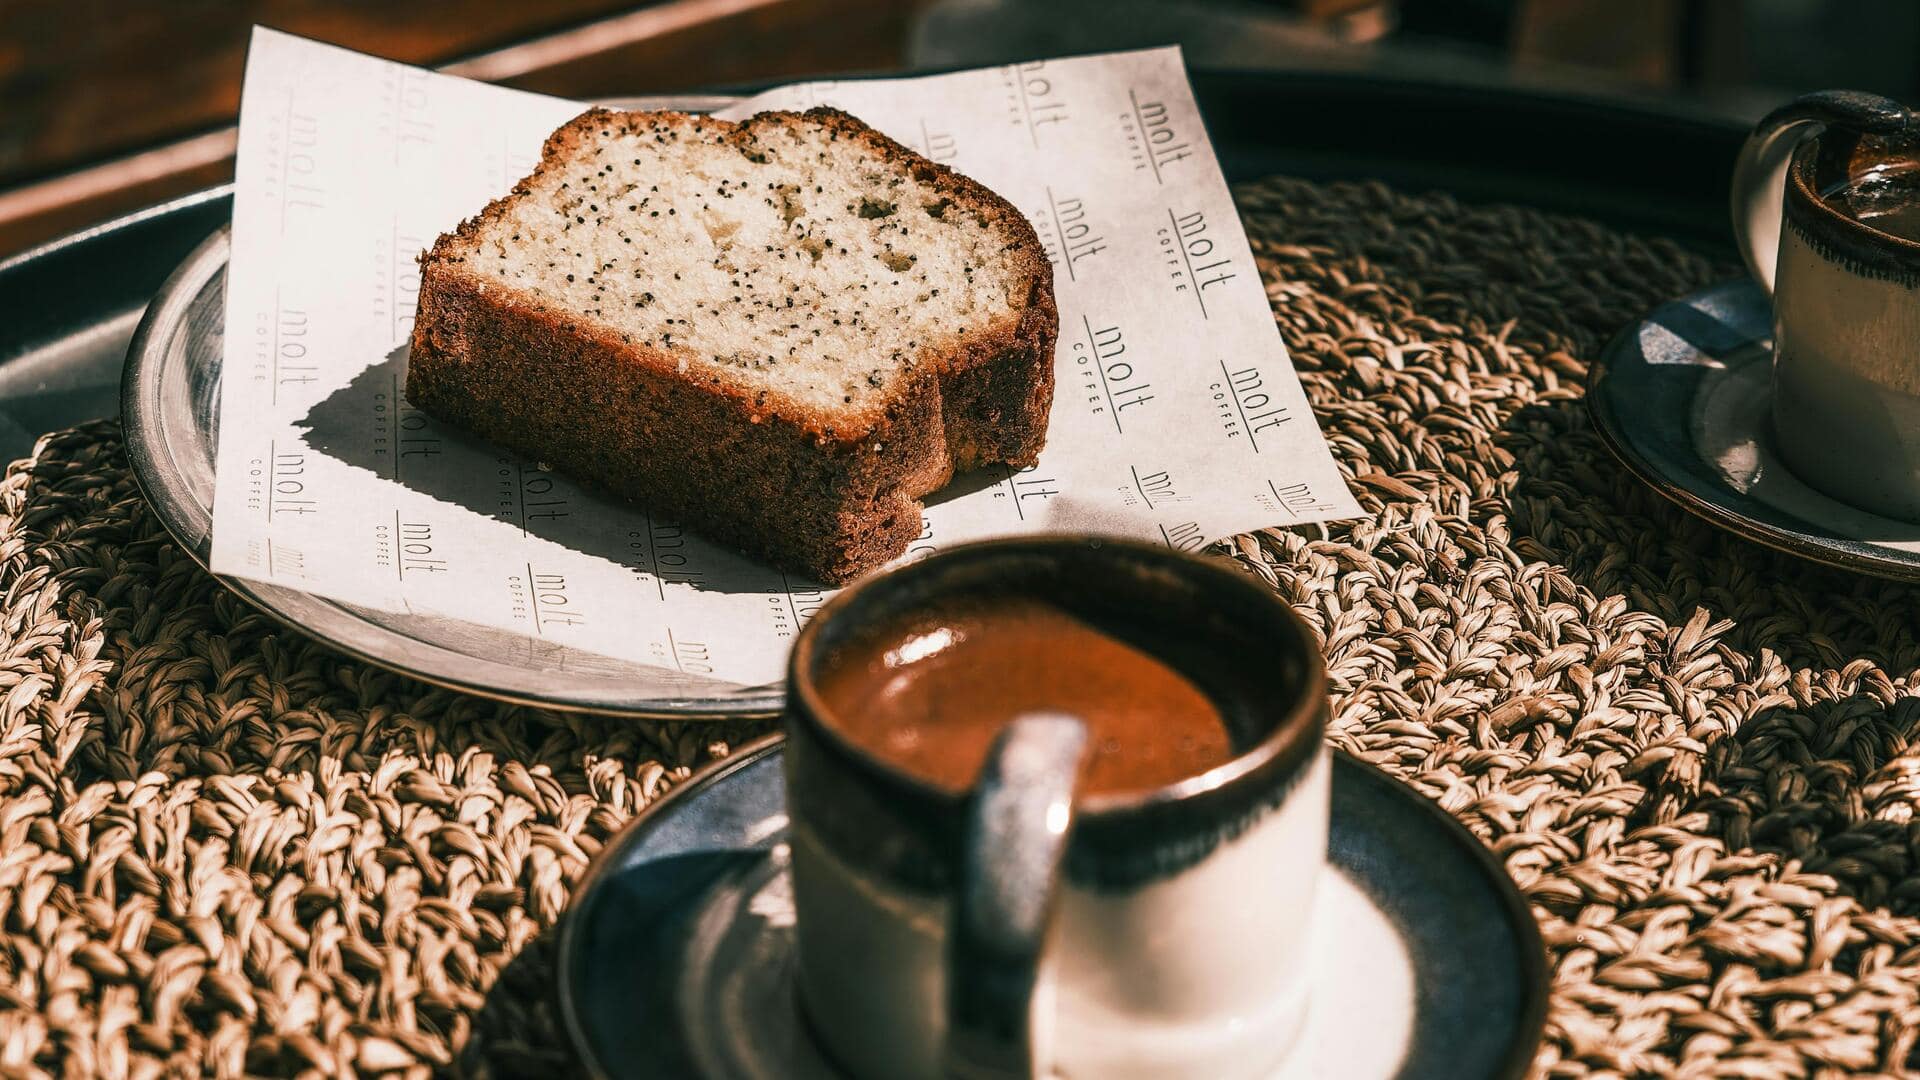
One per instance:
(936,937)
(1826,204)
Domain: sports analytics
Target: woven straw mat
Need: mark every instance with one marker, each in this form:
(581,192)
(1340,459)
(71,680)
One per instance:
(226,849)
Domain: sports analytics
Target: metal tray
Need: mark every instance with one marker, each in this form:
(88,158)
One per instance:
(67,310)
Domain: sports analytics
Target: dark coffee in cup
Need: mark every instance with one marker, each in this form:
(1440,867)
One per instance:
(1147,829)
(1884,196)
(930,689)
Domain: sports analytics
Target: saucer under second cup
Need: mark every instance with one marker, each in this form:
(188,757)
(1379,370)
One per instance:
(1681,397)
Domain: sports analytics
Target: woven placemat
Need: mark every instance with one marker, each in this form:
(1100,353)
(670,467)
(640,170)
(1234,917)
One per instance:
(225,849)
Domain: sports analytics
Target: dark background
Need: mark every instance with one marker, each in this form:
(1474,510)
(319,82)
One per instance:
(110,105)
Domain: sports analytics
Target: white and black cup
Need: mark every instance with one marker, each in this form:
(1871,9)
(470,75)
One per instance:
(1846,290)
(1017,931)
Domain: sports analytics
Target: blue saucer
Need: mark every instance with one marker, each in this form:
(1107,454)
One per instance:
(676,959)
(1683,397)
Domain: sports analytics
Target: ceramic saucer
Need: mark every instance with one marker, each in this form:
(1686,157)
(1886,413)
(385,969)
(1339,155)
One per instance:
(1681,397)
(676,960)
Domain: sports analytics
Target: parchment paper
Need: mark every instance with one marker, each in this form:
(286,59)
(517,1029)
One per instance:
(1178,417)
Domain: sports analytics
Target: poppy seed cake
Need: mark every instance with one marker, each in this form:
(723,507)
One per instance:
(784,332)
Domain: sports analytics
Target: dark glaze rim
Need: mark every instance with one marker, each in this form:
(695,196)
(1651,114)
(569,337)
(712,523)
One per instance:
(1833,235)
(1288,746)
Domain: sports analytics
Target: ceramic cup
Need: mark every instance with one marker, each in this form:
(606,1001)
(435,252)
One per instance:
(1018,931)
(1846,294)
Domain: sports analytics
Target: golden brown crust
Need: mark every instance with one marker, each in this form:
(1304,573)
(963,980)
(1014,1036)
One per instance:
(813,492)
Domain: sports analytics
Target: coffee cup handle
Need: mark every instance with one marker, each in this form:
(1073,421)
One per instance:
(1019,817)
(1760,172)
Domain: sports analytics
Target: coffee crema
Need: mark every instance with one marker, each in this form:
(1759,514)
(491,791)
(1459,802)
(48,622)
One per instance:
(930,693)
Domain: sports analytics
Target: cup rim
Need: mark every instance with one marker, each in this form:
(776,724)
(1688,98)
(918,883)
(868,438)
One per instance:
(1800,184)
(1283,742)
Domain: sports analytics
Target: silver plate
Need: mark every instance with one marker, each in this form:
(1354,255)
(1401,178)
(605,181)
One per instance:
(170,400)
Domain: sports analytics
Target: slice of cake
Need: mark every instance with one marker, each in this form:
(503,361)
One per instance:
(784,332)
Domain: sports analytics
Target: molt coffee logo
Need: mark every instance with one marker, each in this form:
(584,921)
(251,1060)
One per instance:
(790,608)
(938,146)
(1244,405)
(419,445)
(1025,485)
(404,95)
(1188,249)
(402,436)
(287,488)
(292,160)
(1110,380)
(1295,500)
(541,599)
(396,281)
(1033,100)
(280,561)
(659,552)
(417,551)
(1183,536)
(1155,487)
(285,561)
(689,656)
(527,495)
(406,546)
(281,349)
(1154,142)
(1068,236)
